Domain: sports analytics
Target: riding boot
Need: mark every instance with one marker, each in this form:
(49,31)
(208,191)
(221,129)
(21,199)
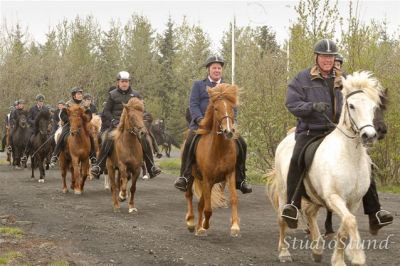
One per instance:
(295,186)
(3,143)
(378,218)
(188,158)
(59,145)
(148,158)
(241,167)
(105,150)
(92,155)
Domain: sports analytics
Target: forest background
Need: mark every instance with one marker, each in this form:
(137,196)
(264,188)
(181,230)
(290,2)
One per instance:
(164,65)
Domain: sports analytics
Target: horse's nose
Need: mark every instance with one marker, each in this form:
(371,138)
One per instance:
(228,134)
(368,136)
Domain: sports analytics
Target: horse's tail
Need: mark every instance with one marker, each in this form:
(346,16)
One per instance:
(218,199)
(272,189)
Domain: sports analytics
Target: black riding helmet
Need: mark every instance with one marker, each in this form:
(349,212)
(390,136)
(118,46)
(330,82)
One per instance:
(339,58)
(325,47)
(74,90)
(214,59)
(87,96)
(39,98)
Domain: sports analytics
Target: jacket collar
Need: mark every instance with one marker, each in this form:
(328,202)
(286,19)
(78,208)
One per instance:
(336,74)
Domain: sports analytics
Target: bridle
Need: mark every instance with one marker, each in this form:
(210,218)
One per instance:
(353,125)
(219,121)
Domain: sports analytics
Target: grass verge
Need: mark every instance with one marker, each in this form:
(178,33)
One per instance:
(11,231)
(8,257)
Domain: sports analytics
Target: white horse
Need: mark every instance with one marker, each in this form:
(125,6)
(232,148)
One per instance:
(340,174)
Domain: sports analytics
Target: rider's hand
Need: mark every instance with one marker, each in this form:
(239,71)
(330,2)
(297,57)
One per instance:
(320,107)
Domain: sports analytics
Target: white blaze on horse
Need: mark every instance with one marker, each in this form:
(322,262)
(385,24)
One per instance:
(340,173)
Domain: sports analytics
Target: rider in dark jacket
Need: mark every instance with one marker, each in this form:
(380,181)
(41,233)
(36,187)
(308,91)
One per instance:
(313,96)
(112,112)
(199,100)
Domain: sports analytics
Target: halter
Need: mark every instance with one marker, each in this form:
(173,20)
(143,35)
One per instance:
(356,130)
(134,131)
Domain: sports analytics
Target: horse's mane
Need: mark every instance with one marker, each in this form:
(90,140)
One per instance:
(222,91)
(367,83)
(133,104)
(95,123)
(42,115)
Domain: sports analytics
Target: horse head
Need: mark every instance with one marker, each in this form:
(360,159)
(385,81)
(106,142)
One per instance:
(79,117)
(362,95)
(223,101)
(132,118)
(22,120)
(42,123)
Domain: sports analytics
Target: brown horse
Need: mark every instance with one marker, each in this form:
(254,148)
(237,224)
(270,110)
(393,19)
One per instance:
(127,154)
(75,155)
(215,158)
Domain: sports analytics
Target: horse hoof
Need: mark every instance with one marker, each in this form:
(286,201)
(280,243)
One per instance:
(190,227)
(201,232)
(41,180)
(78,192)
(117,210)
(133,210)
(285,259)
(145,177)
(235,232)
(65,190)
(317,257)
(121,198)
(329,236)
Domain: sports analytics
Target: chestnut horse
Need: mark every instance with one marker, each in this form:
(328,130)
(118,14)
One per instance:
(215,158)
(75,155)
(127,153)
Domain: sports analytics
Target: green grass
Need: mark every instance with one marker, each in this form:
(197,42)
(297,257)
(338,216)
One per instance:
(170,166)
(60,263)
(6,258)
(12,231)
(390,189)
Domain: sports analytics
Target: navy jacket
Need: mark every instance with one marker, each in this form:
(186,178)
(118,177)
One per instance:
(198,101)
(34,112)
(309,87)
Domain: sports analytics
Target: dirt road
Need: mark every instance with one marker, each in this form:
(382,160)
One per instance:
(84,230)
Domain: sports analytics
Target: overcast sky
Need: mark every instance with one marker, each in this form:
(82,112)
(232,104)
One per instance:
(213,16)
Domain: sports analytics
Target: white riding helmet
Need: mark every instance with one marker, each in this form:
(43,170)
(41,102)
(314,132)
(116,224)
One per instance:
(123,75)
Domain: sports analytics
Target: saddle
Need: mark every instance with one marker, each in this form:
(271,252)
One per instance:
(308,152)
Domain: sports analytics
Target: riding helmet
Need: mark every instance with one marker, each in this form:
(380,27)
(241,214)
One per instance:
(339,58)
(325,47)
(87,96)
(214,59)
(39,97)
(123,75)
(74,90)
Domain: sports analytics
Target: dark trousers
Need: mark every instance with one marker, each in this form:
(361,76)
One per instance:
(371,199)
(295,186)
(189,158)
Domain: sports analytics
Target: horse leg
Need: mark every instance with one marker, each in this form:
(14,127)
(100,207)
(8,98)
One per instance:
(131,204)
(76,176)
(85,172)
(63,167)
(144,171)
(348,226)
(123,182)
(283,245)
(200,231)
(33,167)
(328,224)
(189,214)
(235,229)
(168,150)
(207,204)
(41,170)
(114,189)
(311,212)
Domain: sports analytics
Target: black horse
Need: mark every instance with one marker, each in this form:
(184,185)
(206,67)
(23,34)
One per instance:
(19,137)
(164,139)
(41,144)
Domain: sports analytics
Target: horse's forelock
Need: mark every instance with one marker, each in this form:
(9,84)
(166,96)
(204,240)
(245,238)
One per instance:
(225,91)
(367,83)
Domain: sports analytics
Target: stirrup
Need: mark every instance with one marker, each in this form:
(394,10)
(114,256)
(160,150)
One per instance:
(379,220)
(182,188)
(289,217)
(93,160)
